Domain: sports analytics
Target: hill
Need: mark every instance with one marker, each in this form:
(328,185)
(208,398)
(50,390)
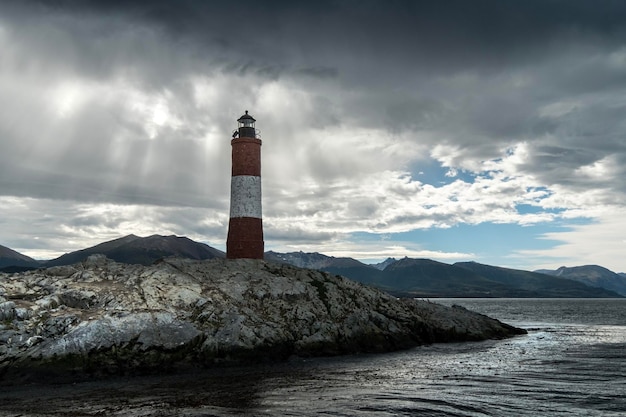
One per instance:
(384,264)
(428,278)
(592,275)
(133,249)
(533,284)
(11,258)
(311,260)
(347,267)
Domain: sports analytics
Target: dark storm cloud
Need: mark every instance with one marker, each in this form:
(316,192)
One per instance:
(434,34)
(363,43)
(384,48)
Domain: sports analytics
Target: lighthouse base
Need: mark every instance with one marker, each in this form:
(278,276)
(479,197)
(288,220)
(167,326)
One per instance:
(245,238)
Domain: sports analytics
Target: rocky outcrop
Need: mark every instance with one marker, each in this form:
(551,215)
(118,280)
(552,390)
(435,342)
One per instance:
(103,317)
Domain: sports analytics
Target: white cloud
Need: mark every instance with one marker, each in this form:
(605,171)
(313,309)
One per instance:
(600,242)
(44,228)
(605,169)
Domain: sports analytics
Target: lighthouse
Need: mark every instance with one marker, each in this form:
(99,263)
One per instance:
(245,227)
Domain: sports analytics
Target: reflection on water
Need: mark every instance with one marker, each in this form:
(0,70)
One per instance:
(566,365)
(611,311)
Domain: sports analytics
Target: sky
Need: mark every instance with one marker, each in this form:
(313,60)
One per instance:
(486,130)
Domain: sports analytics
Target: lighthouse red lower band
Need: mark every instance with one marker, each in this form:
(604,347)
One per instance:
(245,227)
(245,238)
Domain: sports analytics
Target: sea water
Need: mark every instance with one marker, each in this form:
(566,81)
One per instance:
(571,363)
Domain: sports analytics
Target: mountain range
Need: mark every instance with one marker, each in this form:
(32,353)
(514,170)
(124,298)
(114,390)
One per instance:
(592,275)
(403,277)
(13,261)
(133,249)
(428,278)
(129,249)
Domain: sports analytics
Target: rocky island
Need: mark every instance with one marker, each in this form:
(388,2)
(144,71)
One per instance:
(100,317)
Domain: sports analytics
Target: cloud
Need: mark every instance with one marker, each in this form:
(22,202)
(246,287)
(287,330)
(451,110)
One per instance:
(579,245)
(119,114)
(47,228)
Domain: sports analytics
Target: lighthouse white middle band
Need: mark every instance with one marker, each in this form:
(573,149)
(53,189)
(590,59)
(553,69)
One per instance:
(245,196)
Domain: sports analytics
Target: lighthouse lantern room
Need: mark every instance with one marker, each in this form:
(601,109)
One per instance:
(246,126)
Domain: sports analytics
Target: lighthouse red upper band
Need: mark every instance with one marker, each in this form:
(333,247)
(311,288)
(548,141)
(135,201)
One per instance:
(245,227)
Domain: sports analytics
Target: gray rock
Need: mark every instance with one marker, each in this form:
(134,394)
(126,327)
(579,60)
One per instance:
(104,317)
(7,311)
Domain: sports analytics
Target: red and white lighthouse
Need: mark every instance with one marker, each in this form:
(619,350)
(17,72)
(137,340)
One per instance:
(245,228)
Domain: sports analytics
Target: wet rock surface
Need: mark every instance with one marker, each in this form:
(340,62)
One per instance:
(101,317)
